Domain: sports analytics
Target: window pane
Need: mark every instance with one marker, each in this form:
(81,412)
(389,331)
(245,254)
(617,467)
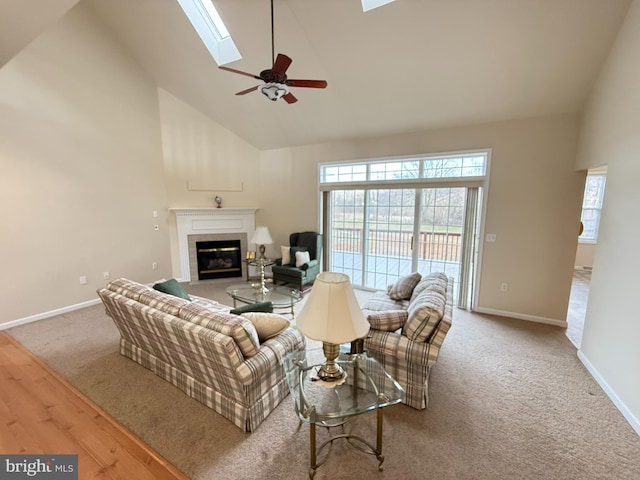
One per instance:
(591,206)
(343,173)
(394,170)
(594,191)
(347,223)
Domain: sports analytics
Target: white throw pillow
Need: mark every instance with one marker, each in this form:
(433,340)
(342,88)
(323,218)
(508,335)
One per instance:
(285,253)
(302,258)
(267,324)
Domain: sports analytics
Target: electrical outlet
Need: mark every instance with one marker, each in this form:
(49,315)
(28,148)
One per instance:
(83,280)
(504,287)
(106,275)
(154,265)
(491,237)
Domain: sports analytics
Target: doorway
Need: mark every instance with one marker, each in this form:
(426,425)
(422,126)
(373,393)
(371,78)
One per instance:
(592,203)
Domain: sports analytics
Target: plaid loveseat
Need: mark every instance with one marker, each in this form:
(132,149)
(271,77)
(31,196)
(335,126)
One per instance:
(201,348)
(406,335)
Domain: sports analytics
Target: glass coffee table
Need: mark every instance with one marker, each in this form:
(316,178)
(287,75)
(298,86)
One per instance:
(280,296)
(367,387)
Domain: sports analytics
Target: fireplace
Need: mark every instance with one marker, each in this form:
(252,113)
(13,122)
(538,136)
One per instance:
(219,259)
(208,224)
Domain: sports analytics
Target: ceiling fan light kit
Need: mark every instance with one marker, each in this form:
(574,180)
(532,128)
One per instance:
(276,84)
(274,91)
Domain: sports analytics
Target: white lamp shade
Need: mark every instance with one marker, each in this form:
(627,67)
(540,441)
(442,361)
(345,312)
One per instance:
(331,313)
(261,236)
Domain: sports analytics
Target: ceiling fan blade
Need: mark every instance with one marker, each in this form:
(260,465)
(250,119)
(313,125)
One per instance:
(248,90)
(307,83)
(240,72)
(289,98)
(281,64)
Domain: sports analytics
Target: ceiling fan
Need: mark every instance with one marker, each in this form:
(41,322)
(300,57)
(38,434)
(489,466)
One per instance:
(276,83)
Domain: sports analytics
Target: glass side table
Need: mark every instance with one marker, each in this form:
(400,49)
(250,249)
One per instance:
(367,387)
(261,264)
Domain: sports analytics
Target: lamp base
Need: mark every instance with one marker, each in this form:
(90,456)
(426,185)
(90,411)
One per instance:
(330,371)
(261,249)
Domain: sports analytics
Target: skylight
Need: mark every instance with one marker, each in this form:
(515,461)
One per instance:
(371,4)
(212,31)
(221,28)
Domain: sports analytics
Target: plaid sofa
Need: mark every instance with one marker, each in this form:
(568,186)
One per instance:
(201,348)
(406,335)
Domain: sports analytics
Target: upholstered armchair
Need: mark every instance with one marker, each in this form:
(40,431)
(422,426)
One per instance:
(295,268)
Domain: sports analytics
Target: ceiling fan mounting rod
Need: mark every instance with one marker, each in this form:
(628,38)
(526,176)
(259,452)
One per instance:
(273,48)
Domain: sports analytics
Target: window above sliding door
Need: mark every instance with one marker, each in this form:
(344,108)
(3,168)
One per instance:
(407,170)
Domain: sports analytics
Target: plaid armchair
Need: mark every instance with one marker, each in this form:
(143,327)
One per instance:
(406,334)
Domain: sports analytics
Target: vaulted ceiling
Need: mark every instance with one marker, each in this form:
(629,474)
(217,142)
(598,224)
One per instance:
(408,66)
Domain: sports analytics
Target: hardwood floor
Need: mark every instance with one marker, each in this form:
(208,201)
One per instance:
(42,413)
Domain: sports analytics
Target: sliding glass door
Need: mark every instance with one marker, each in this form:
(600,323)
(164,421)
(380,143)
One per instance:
(379,235)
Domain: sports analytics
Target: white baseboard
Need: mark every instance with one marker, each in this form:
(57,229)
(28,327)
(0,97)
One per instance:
(52,313)
(521,316)
(628,415)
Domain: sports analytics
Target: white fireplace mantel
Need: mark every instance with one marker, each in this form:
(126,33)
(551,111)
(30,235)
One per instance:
(206,221)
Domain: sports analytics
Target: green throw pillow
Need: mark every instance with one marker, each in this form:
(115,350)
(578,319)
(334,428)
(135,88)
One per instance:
(266,307)
(172,287)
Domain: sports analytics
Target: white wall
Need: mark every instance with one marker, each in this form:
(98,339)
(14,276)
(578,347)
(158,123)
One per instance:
(203,160)
(610,135)
(81,170)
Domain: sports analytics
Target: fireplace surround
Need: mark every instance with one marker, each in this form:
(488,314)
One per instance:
(210,224)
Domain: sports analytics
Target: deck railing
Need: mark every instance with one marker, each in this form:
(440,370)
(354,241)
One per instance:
(396,243)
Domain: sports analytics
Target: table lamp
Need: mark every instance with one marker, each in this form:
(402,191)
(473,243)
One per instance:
(333,316)
(261,237)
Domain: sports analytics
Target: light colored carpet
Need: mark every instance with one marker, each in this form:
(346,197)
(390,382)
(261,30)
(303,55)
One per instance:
(509,400)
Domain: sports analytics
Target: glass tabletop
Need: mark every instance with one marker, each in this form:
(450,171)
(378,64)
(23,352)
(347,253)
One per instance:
(278,295)
(367,386)
(259,262)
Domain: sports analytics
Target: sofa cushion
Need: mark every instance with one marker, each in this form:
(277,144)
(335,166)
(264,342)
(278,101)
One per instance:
(434,281)
(267,324)
(380,301)
(403,288)
(234,326)
(172,287)
(425,312)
